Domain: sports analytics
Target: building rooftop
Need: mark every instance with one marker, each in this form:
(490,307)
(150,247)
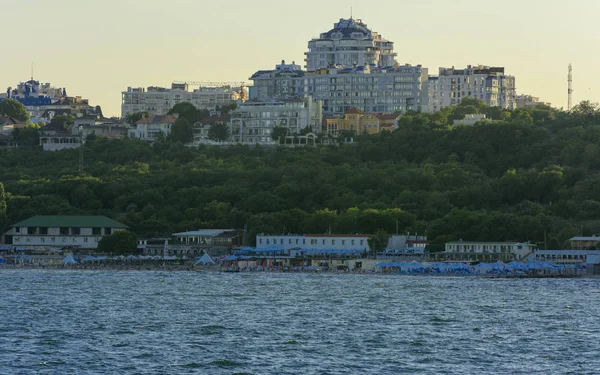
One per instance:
(70,221)
(158,119)
(203,232)
(583,238)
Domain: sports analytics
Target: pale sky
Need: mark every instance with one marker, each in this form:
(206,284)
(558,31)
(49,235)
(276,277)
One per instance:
(97,48)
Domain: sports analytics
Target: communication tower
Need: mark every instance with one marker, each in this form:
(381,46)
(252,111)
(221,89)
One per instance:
(570,105)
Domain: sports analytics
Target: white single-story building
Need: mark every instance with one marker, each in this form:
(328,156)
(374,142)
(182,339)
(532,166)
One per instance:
(520,249)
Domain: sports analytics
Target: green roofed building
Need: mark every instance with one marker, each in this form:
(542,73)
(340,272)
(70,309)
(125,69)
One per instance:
(59,231)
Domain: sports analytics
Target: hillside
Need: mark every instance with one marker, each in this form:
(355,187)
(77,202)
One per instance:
(532,171)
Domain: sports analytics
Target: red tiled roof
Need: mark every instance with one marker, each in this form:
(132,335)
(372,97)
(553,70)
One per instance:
(158,119)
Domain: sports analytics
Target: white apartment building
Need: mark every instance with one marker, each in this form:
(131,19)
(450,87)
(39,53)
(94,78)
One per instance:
(520,249)
(349,44)
(253,121)
(160,100)
(367,88)
(489,84)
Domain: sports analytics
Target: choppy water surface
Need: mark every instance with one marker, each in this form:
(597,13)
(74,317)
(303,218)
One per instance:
(108,322)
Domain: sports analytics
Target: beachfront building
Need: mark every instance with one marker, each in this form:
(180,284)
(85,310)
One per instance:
(149,127)
(253,121)
(585,243)
(39,232)
(506,250)
(567,256)
(351,243)
(208,237)
(489,84)
(357,122)
(160,100)
(350,43)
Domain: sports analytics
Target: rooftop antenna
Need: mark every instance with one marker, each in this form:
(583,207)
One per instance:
(32,71)
(350,12)
(570,79)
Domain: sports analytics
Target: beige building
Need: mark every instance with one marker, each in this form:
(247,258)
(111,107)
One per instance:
(359,122)
(526,101)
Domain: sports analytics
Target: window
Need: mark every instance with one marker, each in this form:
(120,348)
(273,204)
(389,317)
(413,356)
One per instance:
(76,231)
(44,231)
(64,239)
(268,241)
(290,241)
(343,242)
(304,242)
(86,240)
(362,242)
(352,242)
(333,242)
(17,230)
(97,231)
(323,242)
(296,241)
(107,231)
(260,241)
(64,230)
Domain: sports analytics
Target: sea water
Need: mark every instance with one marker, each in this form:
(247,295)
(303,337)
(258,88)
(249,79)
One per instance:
(138,322)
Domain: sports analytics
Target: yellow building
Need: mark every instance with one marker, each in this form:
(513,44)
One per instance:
(359,122)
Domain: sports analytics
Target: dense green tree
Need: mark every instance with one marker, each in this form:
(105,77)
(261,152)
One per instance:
(182,131)
(62,121)
(132,118)
(189,112)
(14,109)
(120,242)
(218,132)
(378,242)
(279,133)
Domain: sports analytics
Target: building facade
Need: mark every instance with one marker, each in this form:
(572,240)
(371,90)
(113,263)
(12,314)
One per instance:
(489,84)
(160,100)
(350,43)
(527,101)
(358,122)
(342,242)
(60,231)
(253,121)
(368,88)
(585,243)
(148,128)
(519,249)
(43,101)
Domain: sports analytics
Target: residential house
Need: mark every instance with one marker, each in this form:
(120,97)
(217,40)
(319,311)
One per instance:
(149,127)
(358,122)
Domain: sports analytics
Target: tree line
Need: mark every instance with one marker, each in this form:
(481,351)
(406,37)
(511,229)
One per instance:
(525,175)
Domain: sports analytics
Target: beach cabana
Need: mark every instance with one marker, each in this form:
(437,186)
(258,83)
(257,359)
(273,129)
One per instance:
(69,259)
(205,259)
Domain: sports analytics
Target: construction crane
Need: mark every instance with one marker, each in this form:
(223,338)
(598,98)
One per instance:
(570,80)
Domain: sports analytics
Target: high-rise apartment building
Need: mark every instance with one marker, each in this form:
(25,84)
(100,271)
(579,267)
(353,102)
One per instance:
(490,84)
(349,44)
(349,66)
(160,100)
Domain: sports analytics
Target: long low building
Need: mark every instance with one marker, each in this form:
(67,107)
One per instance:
(519,250)
(61,231)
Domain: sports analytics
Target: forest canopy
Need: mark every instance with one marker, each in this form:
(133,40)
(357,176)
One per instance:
(529,173)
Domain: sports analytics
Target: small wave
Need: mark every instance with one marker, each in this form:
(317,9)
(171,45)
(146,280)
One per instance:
(226,363)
